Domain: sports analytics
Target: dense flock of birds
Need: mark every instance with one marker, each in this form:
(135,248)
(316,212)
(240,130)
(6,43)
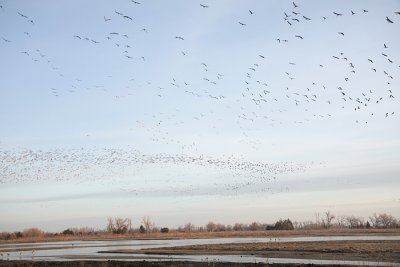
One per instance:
(107,165)
(269,105)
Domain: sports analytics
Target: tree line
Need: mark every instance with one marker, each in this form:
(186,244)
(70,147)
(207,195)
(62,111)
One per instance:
(325,220)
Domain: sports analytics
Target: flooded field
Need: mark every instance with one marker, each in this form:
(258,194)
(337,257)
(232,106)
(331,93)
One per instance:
(137,250)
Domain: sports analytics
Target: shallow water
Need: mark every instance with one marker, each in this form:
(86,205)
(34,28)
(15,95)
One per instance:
(89,250)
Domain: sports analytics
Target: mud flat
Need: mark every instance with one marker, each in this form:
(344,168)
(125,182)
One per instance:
(376,251)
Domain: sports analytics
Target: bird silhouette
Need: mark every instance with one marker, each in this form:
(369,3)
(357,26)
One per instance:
(389,20)
(6,40)
(22,15)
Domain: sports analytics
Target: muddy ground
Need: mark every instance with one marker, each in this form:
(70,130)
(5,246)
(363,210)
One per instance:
(383,251)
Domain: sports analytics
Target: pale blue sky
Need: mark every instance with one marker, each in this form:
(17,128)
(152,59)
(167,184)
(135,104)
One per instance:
(192,110)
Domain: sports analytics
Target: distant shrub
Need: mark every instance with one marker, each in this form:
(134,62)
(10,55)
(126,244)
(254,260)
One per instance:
(239,227)
(211,227)
(68,232)
(284,225)
(18,234)
(7,236)
(164,230)
(32,232)
(270,227)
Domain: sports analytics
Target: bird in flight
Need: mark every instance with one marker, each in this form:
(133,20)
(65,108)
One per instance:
(299,36)
(135,2)
(389,20)
(119,13)
(306,18)
(341,33)
(203,6)
(127,17)
(294,5)
(337,14)
(106,19)
(179,37)
(241,23)
(6,40)
(251,12)
(22,15)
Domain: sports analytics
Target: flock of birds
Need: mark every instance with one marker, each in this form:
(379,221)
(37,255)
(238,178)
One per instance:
(109,165)
(254,102)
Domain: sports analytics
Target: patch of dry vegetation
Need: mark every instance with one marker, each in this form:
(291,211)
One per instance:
(196,235)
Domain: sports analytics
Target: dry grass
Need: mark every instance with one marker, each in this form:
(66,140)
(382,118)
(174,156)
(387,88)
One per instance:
(196,235)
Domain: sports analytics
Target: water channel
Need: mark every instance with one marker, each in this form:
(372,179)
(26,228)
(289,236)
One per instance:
(97,250)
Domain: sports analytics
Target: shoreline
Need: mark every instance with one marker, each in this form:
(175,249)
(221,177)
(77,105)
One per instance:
(382,251)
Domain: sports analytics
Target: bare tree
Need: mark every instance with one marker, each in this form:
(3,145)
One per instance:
(340,221)
(121,225)
(189,227)
(129,222)
(110,225)
(354,222)
(220,227)
(327,221)
(117,225)
(148,225)
(239,227)
(254,226)
(383,220)
(211,227)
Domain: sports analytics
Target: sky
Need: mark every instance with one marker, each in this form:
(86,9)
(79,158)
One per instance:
(197,111)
